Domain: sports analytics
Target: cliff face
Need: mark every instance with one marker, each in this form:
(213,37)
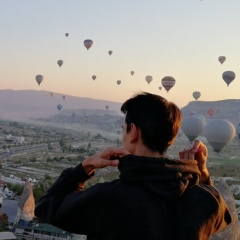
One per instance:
(26,203)
(232,232)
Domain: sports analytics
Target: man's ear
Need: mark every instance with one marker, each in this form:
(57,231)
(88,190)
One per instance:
(134,134)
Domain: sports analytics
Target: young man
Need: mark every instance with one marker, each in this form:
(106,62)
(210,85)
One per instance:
(154,197)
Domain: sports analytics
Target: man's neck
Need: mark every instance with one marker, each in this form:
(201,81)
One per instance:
(143,151)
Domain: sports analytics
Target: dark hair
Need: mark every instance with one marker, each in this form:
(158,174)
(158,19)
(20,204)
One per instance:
(158,119)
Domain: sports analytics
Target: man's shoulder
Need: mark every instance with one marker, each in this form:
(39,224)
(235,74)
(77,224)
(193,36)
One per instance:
(205,192)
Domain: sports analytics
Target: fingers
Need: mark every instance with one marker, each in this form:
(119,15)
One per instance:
(195,151)
(114,153)
(187,153)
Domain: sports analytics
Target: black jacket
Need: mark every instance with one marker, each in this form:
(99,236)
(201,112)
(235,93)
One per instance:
(153,199)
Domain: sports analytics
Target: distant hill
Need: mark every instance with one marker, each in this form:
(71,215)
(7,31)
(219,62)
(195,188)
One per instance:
(228,109)
(39,104)
(32,103)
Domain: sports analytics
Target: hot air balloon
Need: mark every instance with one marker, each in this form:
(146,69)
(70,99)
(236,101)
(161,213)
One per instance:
(160,88)
(168,82)
(107,107)
(118,82)
(200,116)
(148,78)
(66,34)
(196,95)
(211,112)
(39,78)
(94,77)
(219,132)
(228,77)
(63,97)
(132,73)
(51,94)
(192,127)
(238,132)
(221,59)
(60,63)
(59,107)
(88,43)
(110,52)
(73,114)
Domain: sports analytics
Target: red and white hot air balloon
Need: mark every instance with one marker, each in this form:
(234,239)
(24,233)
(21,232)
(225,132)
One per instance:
(211,111)
(168,82)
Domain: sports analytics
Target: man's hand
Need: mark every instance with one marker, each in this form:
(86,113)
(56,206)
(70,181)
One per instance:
(199,152)
(108,157)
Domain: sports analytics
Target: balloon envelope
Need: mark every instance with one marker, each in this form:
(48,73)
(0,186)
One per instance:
(39,78)
(107,107)
(160,88)
(118,82)
(219,132)
(200,116)
(196,95)
(132,73)
(192,127)
(60,63)
(211,112)
(110,52)
(238,132)
(228,77)
(88,43)
(73,114)
(94,77)
(59,107)
(66,34)
(148,78)
(51,94)
(168,82)
(63,97)
(222,59)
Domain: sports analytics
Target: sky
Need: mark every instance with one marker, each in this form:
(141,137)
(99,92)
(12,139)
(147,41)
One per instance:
(182,39)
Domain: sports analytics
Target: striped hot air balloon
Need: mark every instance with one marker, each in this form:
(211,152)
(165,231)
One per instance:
(168,82)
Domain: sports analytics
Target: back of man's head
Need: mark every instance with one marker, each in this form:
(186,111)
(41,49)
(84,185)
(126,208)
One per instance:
(158,119)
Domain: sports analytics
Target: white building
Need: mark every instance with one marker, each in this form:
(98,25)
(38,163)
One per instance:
(9,137)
